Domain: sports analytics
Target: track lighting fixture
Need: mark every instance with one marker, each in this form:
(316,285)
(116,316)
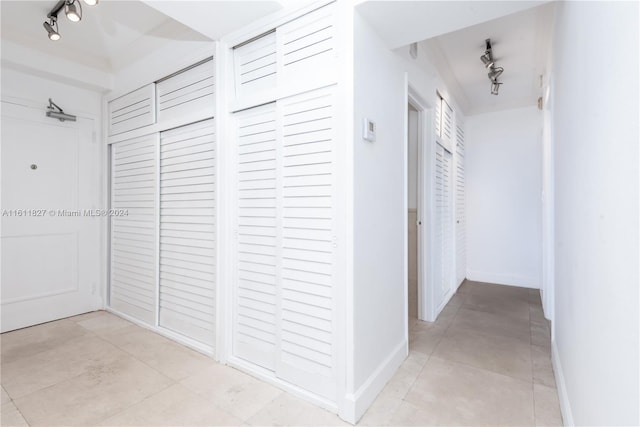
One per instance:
(486,59)
(73,11)
(495,87)
(490,64)
(52,29)
(495,73)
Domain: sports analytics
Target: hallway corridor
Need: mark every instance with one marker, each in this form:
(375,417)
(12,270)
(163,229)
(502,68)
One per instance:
(484,362)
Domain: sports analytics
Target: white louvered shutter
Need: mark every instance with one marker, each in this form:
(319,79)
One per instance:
(438,117)
(447,121)
(461,263)
(306,48)
(308,137)
(256,292)
(255,66)
(188,231)
(188,94)
(133,237)
(443,227)
(133,110)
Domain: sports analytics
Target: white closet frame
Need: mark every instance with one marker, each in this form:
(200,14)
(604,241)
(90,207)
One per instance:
(144,76)
(228,104)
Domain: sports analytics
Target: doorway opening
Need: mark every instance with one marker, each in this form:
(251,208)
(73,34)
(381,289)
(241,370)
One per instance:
(413,222)
(417,214)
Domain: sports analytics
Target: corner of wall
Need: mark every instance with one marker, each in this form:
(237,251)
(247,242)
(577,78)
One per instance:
(357,403)
(563,396)
(503,279)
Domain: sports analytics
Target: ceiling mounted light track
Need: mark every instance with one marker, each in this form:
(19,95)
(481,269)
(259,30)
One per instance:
(73,12)
(490,63)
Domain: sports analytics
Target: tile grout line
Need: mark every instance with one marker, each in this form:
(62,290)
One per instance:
(20,412)
(100,337)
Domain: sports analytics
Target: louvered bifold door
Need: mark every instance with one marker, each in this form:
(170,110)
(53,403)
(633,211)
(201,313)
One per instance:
(443,243)
(133,236)
(461,265)
(188,231)
(256,290)
(306,353)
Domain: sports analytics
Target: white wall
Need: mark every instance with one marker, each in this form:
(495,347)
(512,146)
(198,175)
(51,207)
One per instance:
(596,328)
(380,207)
(504,206)
(35,90)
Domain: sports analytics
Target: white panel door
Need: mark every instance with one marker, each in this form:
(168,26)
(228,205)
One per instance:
(50,245)
(443,237)
(461,254)
(134,262)
(188,231)
(258,235)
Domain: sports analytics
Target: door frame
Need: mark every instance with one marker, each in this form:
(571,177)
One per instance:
(426,307)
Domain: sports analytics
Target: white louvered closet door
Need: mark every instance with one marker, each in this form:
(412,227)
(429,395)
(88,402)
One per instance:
(306,355)
(443,244)
(188,231)
(258,235)
(285,268)
(133,237)
(461,260)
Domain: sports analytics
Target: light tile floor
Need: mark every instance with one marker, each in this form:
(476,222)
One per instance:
(486,361)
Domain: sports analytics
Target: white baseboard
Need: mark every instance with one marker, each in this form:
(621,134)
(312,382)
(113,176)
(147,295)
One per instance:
(565,405)
(503,279)
(356,404)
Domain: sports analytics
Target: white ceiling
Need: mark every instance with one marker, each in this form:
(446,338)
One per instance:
(115,33)
(215,18)
(400,23)
(453,33)
(519,44)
